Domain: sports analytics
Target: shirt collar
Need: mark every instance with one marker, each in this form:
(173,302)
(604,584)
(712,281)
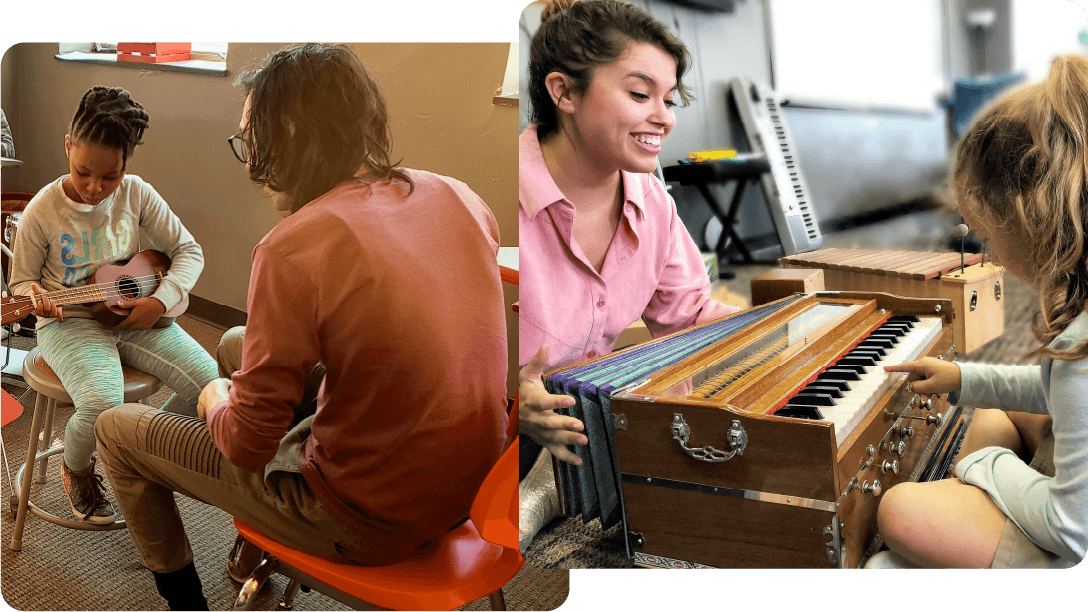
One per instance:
(537,189)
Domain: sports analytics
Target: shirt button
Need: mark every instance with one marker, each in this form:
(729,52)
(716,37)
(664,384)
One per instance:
(591,354)
(600,304)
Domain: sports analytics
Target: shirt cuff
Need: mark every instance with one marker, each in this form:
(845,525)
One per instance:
(215,410)
(168,294)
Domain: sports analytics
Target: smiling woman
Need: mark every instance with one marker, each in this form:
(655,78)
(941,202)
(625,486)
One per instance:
(601,244)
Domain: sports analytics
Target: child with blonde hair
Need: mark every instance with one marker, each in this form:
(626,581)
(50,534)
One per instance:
(1020,496)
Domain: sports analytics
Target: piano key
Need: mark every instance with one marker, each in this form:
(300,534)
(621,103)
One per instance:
(910,318)
(831,390)
(878,342)
(856,361)
(841,385)
(812,399)
(857,403)
(800,412)
(885,336)
(876,351)
(839,374)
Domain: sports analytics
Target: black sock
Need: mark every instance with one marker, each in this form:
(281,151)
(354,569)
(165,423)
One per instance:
(181,589)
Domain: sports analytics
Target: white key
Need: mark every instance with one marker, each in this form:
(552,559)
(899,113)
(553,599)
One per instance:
(858,402)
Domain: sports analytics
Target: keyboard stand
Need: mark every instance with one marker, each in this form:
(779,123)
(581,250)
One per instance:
(745,169)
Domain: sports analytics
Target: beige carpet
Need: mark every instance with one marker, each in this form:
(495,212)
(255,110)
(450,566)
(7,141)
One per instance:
(66,569)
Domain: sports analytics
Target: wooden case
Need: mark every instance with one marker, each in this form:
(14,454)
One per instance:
(795,496)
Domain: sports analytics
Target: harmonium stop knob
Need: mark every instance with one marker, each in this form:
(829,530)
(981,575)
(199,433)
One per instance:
(935,419)
(872,488)
(889,466)
(899,448)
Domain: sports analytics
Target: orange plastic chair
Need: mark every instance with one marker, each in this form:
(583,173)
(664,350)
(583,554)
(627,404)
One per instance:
(467,563)
(10,409)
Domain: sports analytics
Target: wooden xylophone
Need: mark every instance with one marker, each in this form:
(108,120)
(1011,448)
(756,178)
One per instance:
(763,439)
(975,291)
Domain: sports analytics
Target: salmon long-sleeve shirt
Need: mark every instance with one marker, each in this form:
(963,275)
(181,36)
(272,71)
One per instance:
(399,296)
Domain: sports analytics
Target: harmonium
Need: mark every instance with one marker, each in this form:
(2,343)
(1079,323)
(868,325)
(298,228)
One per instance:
(973,285)
(763,439)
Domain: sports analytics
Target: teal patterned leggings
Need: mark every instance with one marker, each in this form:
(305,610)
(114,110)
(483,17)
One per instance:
(87,358)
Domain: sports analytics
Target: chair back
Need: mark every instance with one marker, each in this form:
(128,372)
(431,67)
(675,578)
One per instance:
(10,409)
(495,509)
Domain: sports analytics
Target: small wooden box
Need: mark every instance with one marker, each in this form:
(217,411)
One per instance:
(780,283)
(154,53)
(975,290)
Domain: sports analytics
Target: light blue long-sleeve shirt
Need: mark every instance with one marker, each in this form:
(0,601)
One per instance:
(1053,512)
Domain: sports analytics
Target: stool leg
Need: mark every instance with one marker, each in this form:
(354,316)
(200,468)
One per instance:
(28,473)
(287,603)
(47,434)
(497,601)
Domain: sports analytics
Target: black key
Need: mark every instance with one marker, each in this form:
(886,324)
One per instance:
(841,385)
(833,391)
(800,412)
(911,318)
(860,369)
(876,354)
(872,349)
(878,335)
(893,329)
(812,399)
(880,342)
(837,373)
(855,361)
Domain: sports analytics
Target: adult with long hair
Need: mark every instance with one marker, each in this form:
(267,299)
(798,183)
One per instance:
(601,243)
(411,413)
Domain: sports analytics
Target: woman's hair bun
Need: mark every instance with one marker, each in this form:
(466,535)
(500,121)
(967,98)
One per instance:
(555,7)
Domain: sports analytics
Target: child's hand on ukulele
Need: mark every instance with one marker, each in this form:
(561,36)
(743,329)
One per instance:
(930,376)
(44,307)
(142,313)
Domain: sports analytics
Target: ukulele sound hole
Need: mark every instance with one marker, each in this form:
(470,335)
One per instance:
(128,288)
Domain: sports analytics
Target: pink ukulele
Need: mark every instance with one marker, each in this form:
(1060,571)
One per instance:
(111,285)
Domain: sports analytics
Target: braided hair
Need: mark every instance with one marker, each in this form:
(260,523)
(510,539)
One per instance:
(108,116)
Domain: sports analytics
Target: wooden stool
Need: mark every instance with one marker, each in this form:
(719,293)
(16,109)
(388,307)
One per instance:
(138,387)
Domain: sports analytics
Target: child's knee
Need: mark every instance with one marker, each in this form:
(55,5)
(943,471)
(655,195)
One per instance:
(893,512)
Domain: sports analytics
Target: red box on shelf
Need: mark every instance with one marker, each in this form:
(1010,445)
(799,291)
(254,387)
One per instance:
(154,53)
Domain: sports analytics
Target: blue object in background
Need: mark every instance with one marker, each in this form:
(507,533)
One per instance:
(970,95)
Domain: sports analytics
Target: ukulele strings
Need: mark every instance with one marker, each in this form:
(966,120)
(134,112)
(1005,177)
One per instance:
(75,295)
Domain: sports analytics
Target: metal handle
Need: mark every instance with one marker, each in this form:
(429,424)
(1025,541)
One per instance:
(738,439)
(889,466)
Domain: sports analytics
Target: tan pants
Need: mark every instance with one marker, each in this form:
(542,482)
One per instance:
(149,454)
(1016,550)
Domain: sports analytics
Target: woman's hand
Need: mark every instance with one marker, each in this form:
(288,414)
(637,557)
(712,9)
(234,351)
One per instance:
(44,307)
(930,376)
(142,313)
(536,416)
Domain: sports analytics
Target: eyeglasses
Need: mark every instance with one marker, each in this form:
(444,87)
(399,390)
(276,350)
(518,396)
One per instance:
(240,148)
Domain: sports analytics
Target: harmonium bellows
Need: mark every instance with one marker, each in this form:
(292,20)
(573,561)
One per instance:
(973,285)
(763,439)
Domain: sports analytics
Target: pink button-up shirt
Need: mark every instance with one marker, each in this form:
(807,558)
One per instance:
(652,268)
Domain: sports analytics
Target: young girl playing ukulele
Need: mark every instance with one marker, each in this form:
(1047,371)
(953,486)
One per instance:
(75,225)
(1020,498)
